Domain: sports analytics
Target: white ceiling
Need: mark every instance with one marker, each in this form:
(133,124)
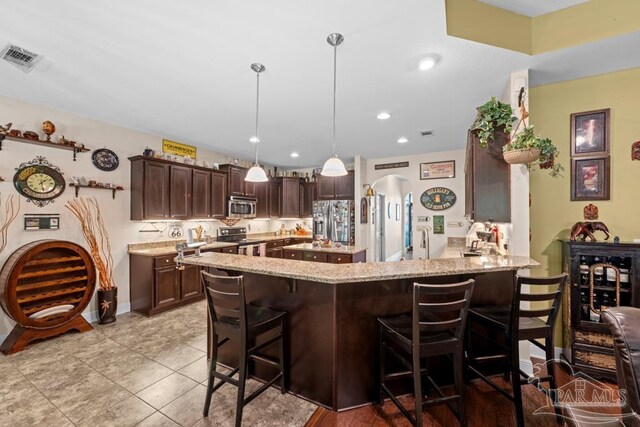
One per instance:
(183,73)
(533,7)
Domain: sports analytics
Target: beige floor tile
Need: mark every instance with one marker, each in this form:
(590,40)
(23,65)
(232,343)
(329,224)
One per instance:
(157,419)
(23,405)
(197,371)
(187,409)
(84,399)
(129,412)
(138,375)
(179,358)
(199,342)
(166,390)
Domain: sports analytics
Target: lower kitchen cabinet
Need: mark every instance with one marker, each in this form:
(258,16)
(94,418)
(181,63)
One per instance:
(156,285)
(328,257)
(314,256)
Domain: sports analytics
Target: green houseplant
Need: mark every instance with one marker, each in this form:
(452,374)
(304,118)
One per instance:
(527,148)
(492,116)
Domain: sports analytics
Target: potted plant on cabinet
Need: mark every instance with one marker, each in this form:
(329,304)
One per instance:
(527,148)
(493,117)
(87,211)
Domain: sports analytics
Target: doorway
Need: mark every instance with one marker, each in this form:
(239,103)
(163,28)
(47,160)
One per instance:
(408,224)
(380,228)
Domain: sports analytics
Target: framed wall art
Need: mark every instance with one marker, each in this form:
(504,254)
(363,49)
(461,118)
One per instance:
(590,133)
(438,170)
(590,178)
(364,210)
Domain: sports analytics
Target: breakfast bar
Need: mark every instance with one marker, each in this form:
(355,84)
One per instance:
(332,311)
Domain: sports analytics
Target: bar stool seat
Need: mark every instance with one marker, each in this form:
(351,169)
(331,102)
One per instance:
(500,316)
(434,328)
(232,319)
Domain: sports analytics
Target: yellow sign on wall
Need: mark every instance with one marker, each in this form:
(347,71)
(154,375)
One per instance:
(178,149)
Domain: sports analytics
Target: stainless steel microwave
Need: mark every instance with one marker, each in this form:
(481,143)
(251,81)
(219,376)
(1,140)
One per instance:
(241,207)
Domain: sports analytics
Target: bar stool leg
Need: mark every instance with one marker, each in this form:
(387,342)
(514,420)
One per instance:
(283,370)
(381,364)
(212,368)
(515,381)
(417,387)
(242,378)
(458,359)
(551,372)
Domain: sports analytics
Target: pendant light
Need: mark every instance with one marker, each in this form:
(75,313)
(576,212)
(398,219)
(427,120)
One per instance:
(334,166)
(256,173)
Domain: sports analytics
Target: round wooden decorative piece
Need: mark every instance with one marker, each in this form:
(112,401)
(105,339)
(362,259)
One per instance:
(47,283)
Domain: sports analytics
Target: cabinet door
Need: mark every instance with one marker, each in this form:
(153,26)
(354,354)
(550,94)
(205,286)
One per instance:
(190,282)
(289,254)
(249,187)
(290,197)
(314,256)
(156,191)
(339,258)
(275,199)
(310,194)
(301,199)
(344,187)
(236,181)
(262,196)
(166,287)
(218,194)
(180,192)
(326,187)
(201,195)
(274,253)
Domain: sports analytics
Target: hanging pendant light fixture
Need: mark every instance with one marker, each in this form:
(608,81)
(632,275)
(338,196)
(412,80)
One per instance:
(256,173)
(334,166)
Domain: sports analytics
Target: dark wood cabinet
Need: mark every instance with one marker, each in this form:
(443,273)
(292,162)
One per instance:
(290,199)
(191,282)
(274,252)
(166,287)
(487,180)
(310,194)
(249,188)
(275,198)
(262,190)
(161,189)
(328,257)
(236,185)
(336,188)
(588,344)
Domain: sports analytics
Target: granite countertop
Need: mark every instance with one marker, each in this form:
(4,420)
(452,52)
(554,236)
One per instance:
(361,272)
(168,247)
(340,250)
(270,236)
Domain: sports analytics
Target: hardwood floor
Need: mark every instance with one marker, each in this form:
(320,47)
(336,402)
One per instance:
(485,407)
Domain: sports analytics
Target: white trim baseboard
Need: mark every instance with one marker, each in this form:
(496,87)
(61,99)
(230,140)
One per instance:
(537,352)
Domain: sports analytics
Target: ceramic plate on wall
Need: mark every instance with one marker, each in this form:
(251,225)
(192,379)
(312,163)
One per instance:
(105,159)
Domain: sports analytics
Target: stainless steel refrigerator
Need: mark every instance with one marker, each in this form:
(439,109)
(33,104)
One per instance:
(334,220)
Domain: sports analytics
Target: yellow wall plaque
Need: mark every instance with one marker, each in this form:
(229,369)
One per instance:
(178,149)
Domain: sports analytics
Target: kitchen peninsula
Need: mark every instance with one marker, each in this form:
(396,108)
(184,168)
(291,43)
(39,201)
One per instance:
(332,311)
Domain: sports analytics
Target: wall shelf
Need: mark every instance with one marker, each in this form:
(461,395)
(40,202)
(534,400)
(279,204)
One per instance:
(78,187)
(51,144)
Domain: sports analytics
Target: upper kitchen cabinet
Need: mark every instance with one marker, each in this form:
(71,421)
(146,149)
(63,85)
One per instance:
(237,186)
(161,190)
(290,198)
(336,188)
(487,181)
(310,194)
(209,194)
(262,190)
(275,197)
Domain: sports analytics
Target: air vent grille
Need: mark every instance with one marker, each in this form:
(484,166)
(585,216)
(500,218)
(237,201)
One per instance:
(426,133)
(21,58)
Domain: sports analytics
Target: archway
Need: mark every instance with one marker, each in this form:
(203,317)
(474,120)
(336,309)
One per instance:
(391,216)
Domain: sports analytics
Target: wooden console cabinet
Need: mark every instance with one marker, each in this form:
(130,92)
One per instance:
(588,344)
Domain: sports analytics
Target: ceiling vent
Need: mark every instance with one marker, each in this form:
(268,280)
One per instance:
(21,58)
(426,133)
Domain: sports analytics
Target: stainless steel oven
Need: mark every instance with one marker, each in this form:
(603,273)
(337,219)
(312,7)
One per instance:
(241,207)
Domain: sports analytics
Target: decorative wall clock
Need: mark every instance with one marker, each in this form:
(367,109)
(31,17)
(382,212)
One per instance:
(105,159)
(39,181)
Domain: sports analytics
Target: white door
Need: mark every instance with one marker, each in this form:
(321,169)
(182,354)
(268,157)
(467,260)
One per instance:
(381,217)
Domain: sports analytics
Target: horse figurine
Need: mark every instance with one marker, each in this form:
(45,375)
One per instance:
(587,228)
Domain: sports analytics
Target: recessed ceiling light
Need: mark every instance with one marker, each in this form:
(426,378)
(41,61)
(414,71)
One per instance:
(383,116)
(295,154)
(254,139)
(402,140)
(428,62)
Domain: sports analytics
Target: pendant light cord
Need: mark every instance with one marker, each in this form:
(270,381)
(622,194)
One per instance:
(335,79)
(257,112)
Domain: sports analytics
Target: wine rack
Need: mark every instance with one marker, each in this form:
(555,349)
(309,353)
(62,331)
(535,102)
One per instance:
(602,275)
(47,284)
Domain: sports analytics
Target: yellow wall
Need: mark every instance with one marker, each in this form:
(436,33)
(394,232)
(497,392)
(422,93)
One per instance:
(552,212)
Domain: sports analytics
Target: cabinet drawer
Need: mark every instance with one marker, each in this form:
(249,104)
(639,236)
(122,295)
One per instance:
(229,250)
(288,242)
(593,338)
(592,358)
(314,256)
(274,244)
(289,254)
(164,261)
(339,258)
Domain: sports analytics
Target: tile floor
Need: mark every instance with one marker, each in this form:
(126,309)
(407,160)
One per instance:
(138,371)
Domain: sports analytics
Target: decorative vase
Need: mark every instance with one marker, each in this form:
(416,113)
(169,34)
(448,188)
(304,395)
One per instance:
(525,156)
(107,305)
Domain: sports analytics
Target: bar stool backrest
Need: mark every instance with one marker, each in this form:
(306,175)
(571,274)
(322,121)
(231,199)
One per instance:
(441,308)
(225,299)
(553,298)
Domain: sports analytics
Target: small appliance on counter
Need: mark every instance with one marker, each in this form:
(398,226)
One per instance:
(483,238)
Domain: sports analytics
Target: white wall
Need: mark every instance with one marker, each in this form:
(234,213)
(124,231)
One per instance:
(94,134)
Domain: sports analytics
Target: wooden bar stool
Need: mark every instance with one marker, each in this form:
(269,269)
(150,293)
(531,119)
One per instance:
(516,324)
(234,320)
(435,327)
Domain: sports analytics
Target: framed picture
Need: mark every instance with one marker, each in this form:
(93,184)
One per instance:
(364,210)
(438,170)
(590,178)
(590,133)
